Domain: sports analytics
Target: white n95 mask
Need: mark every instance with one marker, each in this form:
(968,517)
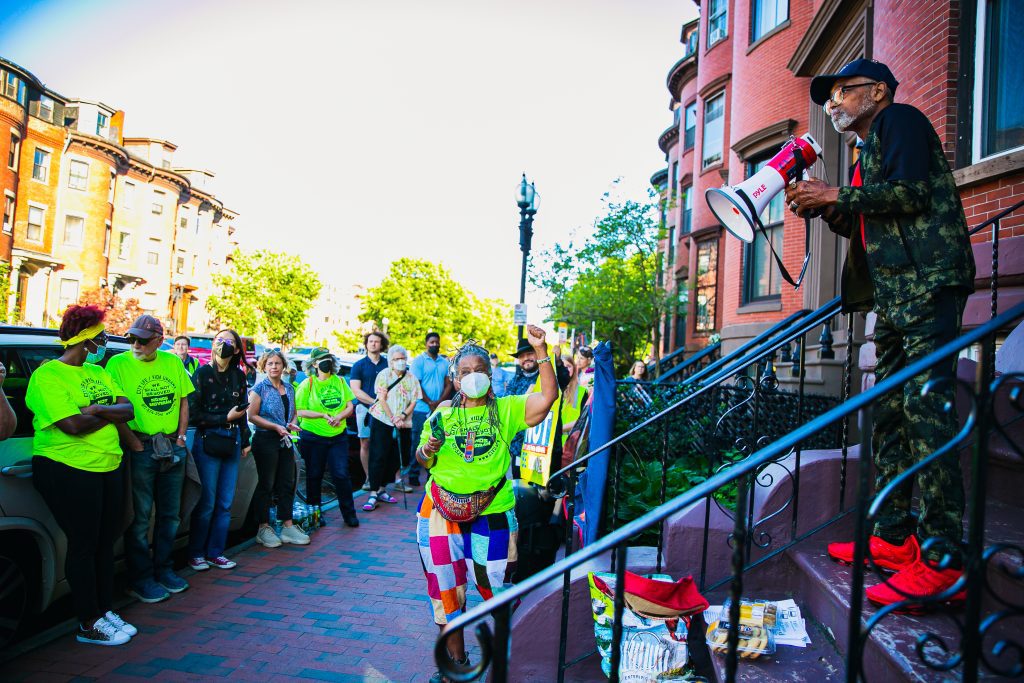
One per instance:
(475,384)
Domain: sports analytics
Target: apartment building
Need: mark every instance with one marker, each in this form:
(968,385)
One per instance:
(86,207)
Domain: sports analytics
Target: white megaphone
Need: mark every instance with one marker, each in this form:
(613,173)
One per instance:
(737,207)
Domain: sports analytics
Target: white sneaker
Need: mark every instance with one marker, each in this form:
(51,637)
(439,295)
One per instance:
(120,624)
(293,534)
(102,633)
(267,538)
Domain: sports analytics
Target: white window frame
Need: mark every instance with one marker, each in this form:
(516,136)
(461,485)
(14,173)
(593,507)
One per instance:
(49,161)
(15,150)
(41,224)
(124,237)
(979,89)
(704,163)
(725,28)
(102,130)
(49,107)
(8,226)
(72,177)
(129,194)
(61,306)
(81,236)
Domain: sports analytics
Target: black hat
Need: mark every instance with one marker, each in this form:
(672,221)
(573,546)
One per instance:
(523,347)
(821,86)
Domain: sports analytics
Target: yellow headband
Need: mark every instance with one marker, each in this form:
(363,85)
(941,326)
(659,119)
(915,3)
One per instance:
(87,333)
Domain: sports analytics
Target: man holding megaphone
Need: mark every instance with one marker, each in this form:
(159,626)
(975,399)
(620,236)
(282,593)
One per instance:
(910,261)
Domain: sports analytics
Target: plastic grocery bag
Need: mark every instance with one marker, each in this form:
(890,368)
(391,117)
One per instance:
(651,647)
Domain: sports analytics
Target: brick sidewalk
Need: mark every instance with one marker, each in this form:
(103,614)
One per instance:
(350,606)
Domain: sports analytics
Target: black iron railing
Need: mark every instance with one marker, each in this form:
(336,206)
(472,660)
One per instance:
(495,647)
(682,367)
(752,366)
(666,362)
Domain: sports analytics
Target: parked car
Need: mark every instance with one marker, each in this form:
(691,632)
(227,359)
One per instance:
(32,546)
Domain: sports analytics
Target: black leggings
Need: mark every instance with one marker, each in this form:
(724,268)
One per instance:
(385,451)
(87,507)
(322,453)
(275,469)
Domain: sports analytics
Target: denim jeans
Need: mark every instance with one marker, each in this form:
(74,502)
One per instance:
(321,453)
(419,419)
(212,514)
(153,482)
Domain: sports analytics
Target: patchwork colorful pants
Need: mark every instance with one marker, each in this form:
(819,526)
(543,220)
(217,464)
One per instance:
(482,551)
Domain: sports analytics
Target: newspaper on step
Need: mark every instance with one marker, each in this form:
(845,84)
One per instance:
(790,627)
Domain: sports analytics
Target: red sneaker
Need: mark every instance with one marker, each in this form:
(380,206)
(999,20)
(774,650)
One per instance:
(917,581)
(886,555)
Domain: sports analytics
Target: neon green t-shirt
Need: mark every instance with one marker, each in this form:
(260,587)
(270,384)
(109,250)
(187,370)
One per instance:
(491,459)
(330,396)
(154,388)
(571,413)
(57,390)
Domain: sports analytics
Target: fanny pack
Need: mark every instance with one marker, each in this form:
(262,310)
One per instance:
(463,507)
(220,442)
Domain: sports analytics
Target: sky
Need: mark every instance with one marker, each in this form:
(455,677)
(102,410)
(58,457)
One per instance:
(355,133)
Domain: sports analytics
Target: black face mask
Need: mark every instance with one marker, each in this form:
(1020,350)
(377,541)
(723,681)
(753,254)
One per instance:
(433,350)
(325,366)
(226,351)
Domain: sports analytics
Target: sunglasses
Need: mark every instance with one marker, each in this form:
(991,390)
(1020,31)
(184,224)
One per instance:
(133,340)
(836,98)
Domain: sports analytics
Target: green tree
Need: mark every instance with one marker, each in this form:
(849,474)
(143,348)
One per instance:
(419,296)
(266,294)
(611,279)
(120,312)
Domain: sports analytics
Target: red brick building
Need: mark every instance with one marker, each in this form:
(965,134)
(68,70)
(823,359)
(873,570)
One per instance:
(85,207)
(742,86)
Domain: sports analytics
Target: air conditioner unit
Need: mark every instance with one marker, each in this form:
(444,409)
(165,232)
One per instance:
(716,35)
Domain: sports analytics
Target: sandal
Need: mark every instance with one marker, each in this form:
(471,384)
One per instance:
(386,497)
(371,503)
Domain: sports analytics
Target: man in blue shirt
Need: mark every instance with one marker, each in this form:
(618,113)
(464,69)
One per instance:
(499,376)
(431,369)
(362,378)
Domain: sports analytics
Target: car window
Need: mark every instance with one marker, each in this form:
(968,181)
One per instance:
(21,362)
(202,342)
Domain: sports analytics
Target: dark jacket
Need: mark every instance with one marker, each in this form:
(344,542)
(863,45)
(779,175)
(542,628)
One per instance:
(914,222)
(217,393)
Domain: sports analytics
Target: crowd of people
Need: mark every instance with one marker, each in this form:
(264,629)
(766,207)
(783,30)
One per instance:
(148,410)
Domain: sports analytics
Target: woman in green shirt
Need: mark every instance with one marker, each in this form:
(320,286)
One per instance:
(466,524)
(76,466)
(324,402)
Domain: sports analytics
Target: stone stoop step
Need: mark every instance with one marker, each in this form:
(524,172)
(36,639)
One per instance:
(891,651)
(819,662)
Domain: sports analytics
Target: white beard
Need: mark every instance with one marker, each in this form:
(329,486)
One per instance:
(843,120)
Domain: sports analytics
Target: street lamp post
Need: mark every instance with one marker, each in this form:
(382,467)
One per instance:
(528,200)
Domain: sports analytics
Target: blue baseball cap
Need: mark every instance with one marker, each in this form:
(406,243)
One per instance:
(821,86)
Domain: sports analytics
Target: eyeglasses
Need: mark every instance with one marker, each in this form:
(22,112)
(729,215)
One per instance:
(836,98)
(100,339)
(132,340)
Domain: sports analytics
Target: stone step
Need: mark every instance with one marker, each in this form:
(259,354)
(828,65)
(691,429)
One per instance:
(891,653)
(820,661)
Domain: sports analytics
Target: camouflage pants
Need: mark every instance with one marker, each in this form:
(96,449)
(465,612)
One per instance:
(909,426)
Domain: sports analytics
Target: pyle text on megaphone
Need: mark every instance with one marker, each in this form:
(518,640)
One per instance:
(737,207)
